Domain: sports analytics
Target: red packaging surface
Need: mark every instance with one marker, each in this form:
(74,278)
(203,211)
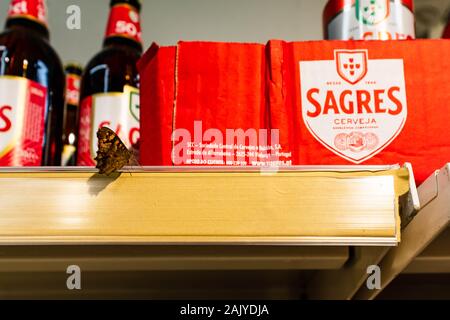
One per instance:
(204,104)
(332,102)
(370,103)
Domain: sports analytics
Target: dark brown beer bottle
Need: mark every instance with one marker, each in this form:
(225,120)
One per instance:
(31,89)
(70,133)
(110,84)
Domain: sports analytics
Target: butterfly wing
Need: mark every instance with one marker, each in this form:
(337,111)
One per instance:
(112,154)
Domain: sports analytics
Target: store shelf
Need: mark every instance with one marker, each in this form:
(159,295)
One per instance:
(344,283)
(313,206)
(434,259)
(184,285)
(25,259)
(418,251)
(248,233)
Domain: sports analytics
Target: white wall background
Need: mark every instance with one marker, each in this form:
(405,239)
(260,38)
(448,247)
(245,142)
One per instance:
(167,21)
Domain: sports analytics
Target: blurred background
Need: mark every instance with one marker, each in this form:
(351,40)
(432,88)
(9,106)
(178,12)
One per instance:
(168,21)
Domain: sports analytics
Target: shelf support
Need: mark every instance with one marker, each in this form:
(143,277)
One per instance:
(431,221)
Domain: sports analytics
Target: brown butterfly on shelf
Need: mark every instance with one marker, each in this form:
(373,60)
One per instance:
(112,154)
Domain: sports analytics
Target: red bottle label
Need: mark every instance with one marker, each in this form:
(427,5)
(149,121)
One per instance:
(118,111)
(30,9)
(124,21)
(22,112)
(73,82)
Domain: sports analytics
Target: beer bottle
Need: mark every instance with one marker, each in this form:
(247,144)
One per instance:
(70,133)
(110,84)
(31,89)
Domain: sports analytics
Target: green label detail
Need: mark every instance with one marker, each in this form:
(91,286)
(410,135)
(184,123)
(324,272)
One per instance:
(372,12)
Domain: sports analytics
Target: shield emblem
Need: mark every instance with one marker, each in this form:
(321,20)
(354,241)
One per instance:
(351,65)
(372,12)
(331,108)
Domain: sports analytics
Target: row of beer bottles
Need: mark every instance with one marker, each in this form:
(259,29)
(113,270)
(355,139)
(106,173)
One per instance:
(37,126)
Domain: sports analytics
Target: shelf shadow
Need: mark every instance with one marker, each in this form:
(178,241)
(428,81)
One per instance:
(99,182)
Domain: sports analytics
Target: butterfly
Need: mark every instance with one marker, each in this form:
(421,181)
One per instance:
(112,154)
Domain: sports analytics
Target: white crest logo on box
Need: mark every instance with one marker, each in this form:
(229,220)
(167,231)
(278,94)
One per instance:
(353,105)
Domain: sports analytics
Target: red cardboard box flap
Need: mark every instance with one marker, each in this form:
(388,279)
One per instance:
(157,70)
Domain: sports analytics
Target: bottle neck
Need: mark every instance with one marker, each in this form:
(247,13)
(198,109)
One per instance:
(73,84)
(119,42)
(28,25)
(124,26)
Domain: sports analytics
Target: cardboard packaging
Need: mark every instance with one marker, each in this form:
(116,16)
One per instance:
(371,103)
(203,104)
(320,102)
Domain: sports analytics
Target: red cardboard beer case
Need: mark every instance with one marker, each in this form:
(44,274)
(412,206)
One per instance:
(319,102)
